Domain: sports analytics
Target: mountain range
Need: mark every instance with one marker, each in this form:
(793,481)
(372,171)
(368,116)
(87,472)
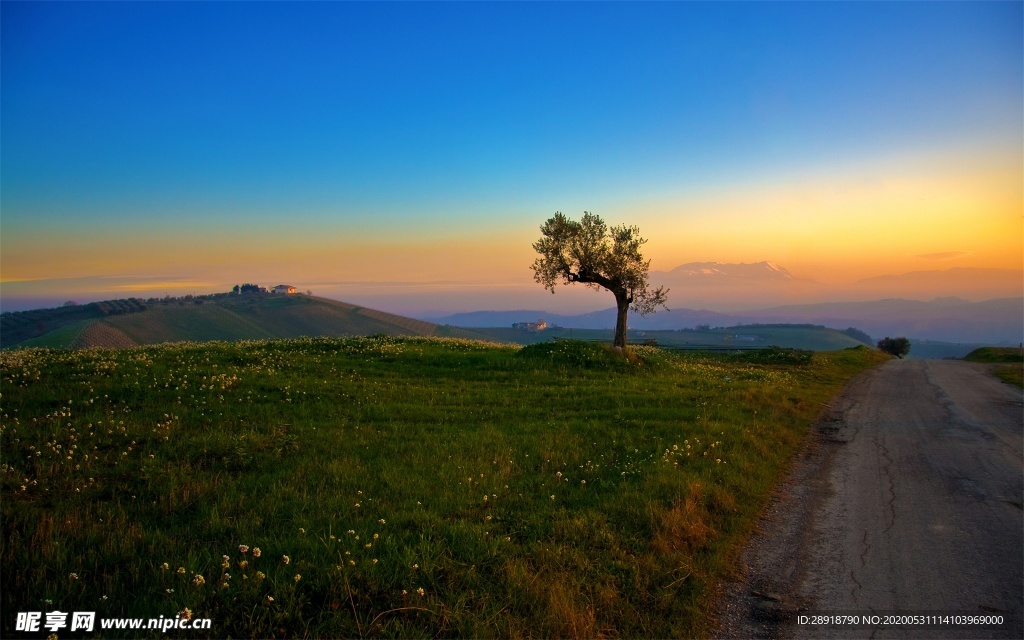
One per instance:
(719,271)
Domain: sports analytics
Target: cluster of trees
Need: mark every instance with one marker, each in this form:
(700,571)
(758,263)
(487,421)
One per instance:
(16,326)
(246,288)
(898,347)
(119,307)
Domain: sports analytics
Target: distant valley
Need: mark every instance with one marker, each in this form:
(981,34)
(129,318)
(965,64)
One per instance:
(999,321)
(958,305)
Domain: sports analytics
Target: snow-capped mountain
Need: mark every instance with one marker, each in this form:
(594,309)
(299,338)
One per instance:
(720,271)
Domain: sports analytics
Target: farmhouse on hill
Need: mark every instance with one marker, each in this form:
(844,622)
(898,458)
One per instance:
(540,325)
(284,288)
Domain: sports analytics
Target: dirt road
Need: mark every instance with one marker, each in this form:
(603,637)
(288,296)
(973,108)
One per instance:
(907,502)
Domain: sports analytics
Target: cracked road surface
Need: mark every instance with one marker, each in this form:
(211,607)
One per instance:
(908,500)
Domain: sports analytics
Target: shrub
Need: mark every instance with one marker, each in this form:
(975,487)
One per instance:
(898,347)
(775,355)
(578,353)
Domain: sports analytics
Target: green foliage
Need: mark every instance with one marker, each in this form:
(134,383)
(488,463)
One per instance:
(119,307)
(405,487)
(590,253)
(775,355)
(898,347)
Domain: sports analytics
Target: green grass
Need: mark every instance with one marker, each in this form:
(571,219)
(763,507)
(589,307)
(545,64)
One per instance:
(253,317)
(1011,373)
(61,338)
(418,487)
(995,354)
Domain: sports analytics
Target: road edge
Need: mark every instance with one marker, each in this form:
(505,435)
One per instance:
(764,601)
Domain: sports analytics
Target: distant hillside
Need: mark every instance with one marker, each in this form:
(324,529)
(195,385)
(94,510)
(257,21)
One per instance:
(220,317)
(797,336)
(943,319)
(602,319)
(19,326)
(947,319)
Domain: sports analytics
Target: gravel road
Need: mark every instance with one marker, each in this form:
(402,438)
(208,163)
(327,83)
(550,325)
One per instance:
(907,501)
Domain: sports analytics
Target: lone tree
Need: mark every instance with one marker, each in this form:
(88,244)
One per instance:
(589,252)
(898,347)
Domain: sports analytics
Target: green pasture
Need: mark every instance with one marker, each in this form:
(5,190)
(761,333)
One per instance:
(394,487)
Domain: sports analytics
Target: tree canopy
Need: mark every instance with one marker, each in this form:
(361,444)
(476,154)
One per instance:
(898,347)
(590,253)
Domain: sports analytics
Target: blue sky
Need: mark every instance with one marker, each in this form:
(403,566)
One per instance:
(294,127)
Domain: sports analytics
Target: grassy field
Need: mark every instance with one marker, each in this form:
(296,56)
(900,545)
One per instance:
(1012,373)
(414,487)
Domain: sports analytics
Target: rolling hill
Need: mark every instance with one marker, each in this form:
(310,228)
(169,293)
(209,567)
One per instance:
(229,317)
(201,319)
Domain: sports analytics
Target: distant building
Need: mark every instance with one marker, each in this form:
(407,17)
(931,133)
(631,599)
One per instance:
(284,288)
(540,325)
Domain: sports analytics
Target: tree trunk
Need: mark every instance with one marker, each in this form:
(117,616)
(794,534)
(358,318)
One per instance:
(620,321)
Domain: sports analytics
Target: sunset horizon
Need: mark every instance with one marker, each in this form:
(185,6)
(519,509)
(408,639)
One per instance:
(403,156)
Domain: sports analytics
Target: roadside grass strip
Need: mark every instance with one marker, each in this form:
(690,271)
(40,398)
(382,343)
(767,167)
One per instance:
(1012,373)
